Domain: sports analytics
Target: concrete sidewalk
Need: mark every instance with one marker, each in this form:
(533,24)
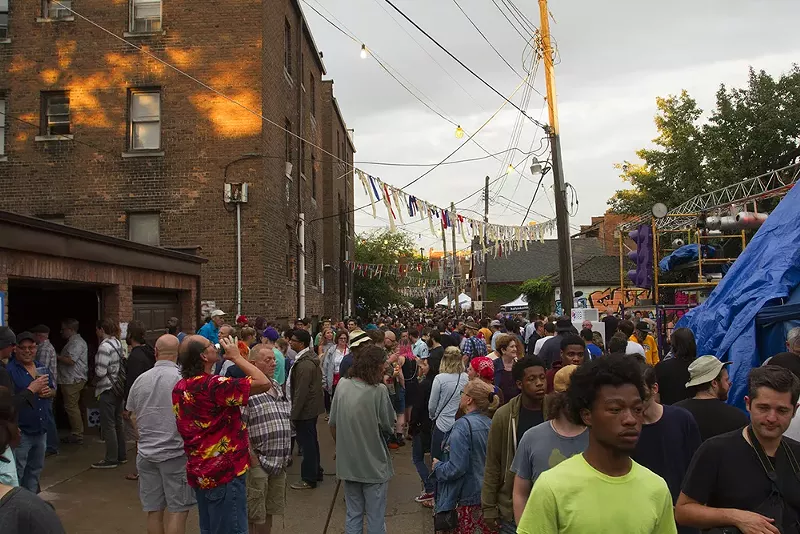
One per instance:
(91,501)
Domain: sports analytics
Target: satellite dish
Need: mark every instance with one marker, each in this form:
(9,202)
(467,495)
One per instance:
(659,211)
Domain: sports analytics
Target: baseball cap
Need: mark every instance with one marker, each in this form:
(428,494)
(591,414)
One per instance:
(643,326)
(564,325)
(357,337)
(217,313)
(271,334)
(496,323)
(563,377)
(704,369)
(40,329)
(7,337)
(25,336)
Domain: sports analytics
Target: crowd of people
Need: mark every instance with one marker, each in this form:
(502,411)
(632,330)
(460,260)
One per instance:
(514,425)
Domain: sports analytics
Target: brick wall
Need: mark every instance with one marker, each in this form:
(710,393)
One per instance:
(238,48)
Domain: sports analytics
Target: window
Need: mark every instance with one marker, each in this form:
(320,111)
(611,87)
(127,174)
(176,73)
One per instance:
(3,19)
(290,250)
(145,16)
(53,11)
(144,228)
(314,270)
(313,177)
(145,120)
(312,90)
(288,140)
(2,125)
(287,43)
(55,113)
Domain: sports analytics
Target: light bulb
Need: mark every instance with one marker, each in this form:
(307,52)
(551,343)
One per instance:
(510,168)
(536,167)
(363,51)
(459,132)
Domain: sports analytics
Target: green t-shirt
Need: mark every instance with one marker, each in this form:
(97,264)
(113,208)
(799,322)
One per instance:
(280,367)
(575,498)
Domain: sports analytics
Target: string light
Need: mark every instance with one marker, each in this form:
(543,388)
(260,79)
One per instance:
(363,51)
(459,132)
(510,168)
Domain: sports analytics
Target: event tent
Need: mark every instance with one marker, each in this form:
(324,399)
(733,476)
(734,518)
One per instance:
(745,319)
(463,299)
(520,304)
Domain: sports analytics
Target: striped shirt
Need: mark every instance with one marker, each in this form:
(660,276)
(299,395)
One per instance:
(269,430)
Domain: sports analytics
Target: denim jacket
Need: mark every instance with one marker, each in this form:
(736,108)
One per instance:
(460,478)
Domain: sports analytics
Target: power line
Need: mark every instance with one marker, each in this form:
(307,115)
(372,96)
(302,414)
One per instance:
(502,12)
(484,82)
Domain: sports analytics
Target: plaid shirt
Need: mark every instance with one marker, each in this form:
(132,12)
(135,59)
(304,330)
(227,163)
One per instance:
(269,430)
(474,347)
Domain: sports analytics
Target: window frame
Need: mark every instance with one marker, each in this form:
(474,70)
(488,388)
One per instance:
(132,93)
(312,91)
(5,29)
(287,139)
(313,177)
(47,7)
(3,108)
(134,214)
(287,46)
(132,17)
(46,125)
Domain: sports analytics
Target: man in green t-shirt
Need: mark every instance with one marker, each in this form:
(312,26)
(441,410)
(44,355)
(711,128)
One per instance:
(602,491)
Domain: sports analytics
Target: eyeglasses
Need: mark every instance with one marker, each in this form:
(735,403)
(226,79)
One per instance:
(293,340)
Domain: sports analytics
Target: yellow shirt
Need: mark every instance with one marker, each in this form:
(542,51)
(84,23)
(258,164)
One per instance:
(575,498)
(650,348)
(487,336)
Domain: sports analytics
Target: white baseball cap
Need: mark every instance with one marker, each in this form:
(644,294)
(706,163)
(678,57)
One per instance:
(217,313)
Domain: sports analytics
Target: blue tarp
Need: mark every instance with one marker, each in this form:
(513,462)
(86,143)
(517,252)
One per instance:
(684,254)
(767,272)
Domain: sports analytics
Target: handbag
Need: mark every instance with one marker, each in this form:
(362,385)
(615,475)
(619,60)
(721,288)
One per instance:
(774,506)
(118,382)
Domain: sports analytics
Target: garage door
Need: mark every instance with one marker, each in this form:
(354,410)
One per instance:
(154,309)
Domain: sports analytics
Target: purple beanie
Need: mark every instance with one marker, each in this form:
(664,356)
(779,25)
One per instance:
(271,334)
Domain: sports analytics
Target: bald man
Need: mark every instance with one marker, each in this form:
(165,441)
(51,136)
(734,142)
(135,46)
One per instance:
(161,460)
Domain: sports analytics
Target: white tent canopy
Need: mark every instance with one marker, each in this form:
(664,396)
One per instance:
(463,299)
(518,304)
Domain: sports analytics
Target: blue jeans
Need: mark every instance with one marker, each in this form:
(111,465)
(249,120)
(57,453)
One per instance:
(436,442)
(508,527)
(365,500)
(52,432)
(223,510)
(418,457)
(30,460)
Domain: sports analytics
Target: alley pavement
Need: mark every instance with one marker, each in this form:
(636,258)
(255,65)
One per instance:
(91,501)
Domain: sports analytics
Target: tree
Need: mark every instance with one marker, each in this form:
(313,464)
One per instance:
(539,294)
(750,131)
(374,293)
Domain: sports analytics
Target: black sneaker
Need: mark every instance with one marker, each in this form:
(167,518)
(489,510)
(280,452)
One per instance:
(125,461)
(105,465)
(400,440)
(73,438)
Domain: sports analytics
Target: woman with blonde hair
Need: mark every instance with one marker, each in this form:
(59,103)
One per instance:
(460,475)
(445,393)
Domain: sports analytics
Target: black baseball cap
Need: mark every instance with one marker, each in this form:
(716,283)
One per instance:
(7,337)
(23,336)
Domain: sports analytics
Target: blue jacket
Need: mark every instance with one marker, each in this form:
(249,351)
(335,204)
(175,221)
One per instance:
(460,478)
(32,420)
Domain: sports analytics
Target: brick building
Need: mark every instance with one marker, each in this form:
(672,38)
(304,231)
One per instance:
(98,135)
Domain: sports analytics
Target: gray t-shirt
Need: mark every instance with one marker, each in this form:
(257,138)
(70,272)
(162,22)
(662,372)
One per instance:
(363,417)
(542,448)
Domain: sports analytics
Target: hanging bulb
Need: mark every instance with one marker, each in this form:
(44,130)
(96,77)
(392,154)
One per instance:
(510,168)
(363,51)
(459,132)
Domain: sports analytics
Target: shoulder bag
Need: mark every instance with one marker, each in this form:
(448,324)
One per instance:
(118,381)
(774,506)
(448,520)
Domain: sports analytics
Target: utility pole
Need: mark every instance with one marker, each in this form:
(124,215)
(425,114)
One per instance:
(562,214)
(485,290)
(455,257)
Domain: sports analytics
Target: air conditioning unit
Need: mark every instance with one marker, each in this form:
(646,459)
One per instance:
(289,170)
(235,193)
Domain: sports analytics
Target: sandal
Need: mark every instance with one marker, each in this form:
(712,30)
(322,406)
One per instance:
(132,476)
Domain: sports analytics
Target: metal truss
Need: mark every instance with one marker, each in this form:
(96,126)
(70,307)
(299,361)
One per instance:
(771,184)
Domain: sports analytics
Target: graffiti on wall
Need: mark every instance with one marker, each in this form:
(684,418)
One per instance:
(610,299)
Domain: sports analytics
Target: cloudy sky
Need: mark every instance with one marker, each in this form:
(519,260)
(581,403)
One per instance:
(616,57)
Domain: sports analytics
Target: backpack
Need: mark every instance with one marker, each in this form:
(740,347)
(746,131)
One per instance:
(118,382)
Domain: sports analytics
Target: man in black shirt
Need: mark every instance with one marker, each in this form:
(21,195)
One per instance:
(728,485)
(709,383)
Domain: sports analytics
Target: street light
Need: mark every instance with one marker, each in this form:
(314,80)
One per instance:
(536,167)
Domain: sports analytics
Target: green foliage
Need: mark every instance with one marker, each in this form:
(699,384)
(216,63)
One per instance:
(749,132)
(499,294)
(385,248)
(539,293)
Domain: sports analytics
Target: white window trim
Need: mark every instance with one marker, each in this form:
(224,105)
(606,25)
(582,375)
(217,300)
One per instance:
(48,18)
(132,22)
(132,151)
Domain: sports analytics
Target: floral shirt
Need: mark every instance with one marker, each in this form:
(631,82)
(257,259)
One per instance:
(207,408)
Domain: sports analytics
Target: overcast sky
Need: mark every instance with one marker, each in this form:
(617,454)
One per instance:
(616,57)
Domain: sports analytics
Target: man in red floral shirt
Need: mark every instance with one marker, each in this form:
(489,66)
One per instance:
(207,407)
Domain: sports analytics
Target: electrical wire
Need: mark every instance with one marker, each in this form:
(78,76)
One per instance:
(502,12)
(446,51)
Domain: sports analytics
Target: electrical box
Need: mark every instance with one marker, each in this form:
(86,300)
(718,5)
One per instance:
(235,193)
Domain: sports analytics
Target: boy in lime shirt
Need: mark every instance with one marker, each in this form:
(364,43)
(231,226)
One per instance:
(602,491)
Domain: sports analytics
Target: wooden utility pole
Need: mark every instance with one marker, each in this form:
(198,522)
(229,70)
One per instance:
(562,214)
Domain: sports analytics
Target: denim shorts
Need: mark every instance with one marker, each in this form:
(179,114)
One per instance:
(399,400)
